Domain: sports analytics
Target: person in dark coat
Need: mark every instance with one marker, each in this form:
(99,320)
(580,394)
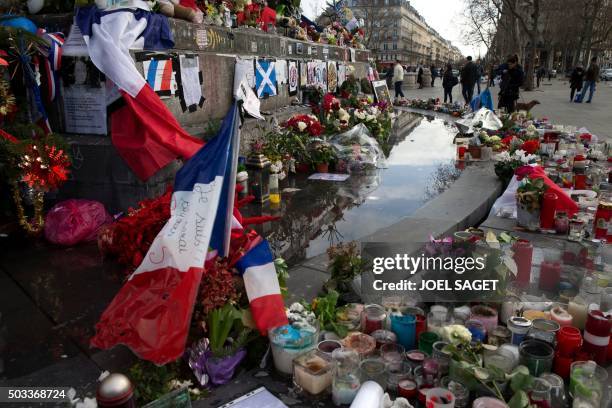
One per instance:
(433,74)
(539,75)
(420,76)
(576,78)
(469,75)
(492,75)
(512,77)
(448,82)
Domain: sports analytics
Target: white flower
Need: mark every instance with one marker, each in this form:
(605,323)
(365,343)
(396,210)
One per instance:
(301,126)
(456,333)
(373,110)
(504,156)
(370,118)
(529,158)
(519,153)
(360,114)
(343,115)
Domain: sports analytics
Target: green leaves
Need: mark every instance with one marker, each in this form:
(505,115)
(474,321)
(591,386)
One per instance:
(220,324)
(325,308)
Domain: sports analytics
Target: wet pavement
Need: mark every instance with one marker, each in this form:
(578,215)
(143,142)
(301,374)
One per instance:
(420,166)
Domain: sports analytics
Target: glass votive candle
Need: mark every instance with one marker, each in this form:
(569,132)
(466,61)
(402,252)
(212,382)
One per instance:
(397,372)
(392,353)
(500,335)
(460,391)
(557,390)
(426,341)
(373,369)
(436,321)
(328,346)
(288,342)
(312,372)
(485,315)
(519,326)
(415,358)
(440,398)
(544,330)
(561,316)
(407,389)
(540,393)
(404,326)
(576,230)
(488,402)
(363,344)
(349,316)
(537,356)
(561,222)
(346,381)
(479,332)
(587,383)
(503,359)
(373,318)
(383,337)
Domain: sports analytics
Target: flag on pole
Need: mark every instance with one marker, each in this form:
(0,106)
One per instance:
(151,313)
(144,132)
(262,287)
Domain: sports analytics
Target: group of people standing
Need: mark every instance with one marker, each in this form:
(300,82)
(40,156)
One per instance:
(581,81)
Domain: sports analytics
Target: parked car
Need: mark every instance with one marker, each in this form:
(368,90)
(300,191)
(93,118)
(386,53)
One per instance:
(553,73)
(606,74)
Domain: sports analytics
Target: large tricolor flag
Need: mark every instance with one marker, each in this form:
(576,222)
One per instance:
(152,311)
(144,131)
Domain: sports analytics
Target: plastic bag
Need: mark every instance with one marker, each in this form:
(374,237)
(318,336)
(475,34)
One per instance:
(73,221)
(358,150)
(483,118)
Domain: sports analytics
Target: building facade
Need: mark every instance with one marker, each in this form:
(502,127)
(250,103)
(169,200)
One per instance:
(395,30)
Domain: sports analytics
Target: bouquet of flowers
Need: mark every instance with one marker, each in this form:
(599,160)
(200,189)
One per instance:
(306,125)
(506,163)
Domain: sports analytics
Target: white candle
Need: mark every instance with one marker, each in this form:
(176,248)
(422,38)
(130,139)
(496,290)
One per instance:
(578,310)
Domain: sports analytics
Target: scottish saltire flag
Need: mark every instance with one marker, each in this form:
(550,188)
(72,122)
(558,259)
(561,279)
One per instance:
(144,132)
(262,288)
(265,78)
(151,313)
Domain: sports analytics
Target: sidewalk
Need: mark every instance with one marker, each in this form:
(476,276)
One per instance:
(554,103)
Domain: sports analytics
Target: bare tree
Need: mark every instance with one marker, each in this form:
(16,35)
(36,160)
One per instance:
(482,20)
(378,23)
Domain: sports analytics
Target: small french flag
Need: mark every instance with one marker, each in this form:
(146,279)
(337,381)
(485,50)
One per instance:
(262,288)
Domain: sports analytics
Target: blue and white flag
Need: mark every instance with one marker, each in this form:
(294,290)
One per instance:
(265,78)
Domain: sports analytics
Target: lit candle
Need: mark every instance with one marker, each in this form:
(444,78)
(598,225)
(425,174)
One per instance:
(312,372)
(561,316)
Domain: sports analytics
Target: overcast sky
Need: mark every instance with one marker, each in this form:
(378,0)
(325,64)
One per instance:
(445,16)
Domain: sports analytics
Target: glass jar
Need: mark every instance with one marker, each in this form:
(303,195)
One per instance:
(404,326)
(373,318)
(349,316)
(373,369)
(523,255)
(561,222)
(544,330)
(488,402)
(576,230)
(606,300)
(346,380)
(392,353)
(540,393)
(363,344)
(603,218)
(577,307)
(567,177)
(547,214)
(440,398)
(407,389)
(288,342)
(557,390)
(383,337)
(275,196)
(503,359)
(396,373)
(460,391)
(485,315)
(550,275)
(597,335)
(537,356)
(327,347)
(500,335)
(436,320)
(312,372)
(415,358)
(426,341)
(479,332)
(587,383)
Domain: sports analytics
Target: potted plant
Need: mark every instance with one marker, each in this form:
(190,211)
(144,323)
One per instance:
(345,265)
(528,202)
(322,155)
(227,338)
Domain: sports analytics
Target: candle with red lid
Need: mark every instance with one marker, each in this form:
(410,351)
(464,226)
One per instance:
(523,253)
(569,341)
(547,214)
(597,335)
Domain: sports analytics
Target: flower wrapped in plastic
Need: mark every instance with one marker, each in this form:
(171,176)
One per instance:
(358,149)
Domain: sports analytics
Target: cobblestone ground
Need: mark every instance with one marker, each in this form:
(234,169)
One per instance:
(554,103)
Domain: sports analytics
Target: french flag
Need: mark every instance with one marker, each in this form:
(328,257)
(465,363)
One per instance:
(262,287)
(144,132)
(151,314)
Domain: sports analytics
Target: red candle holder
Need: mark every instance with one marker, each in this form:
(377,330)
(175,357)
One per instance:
(420,325)
(550,275)
(597,336)
(547,214)
(569,341)
(562,366)
(407,389)
(523,254)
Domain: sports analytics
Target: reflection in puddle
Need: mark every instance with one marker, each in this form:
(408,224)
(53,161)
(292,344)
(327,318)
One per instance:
(321,213)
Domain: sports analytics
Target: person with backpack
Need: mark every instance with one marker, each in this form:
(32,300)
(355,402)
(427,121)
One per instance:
(448,83)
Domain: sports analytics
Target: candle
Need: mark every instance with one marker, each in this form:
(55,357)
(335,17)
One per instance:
(561,316)
(312,372)
(383,337)
(597,335)
(547,214)
(404,327)
(578,309)
(345,390)
(485,315)
(519,326)
(550,275)
(361,343)
(523,253)
(479,332)
(440,398)
(373,318)
(392,353)
(420,326)
(569,341)
(346,380)
(500,335)
(407,389)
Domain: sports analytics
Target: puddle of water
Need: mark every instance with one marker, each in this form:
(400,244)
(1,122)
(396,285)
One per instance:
(420,166)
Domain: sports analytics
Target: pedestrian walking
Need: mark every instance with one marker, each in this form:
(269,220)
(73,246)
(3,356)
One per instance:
(492,75)
(433,74)
(539,75)
(550,75)
(512,77)
(420,76)
(590,78)
(448,83)
(469,73)
(480,72)
(398,79)
(576,78)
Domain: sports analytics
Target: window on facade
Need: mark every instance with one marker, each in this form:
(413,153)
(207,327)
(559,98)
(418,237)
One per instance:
(395,46)
(386,2)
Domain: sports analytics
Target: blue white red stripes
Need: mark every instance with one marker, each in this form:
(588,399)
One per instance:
(262,287)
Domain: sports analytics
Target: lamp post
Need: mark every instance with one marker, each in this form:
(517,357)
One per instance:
(259,179)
